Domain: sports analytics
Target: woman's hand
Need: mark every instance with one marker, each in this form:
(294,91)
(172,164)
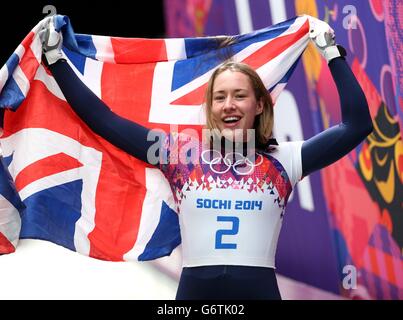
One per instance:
(52,41)
(323,37)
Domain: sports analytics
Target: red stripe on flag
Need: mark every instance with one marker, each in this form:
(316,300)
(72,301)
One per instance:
(118,84)
(255,60)
(196,97)
(28,64)
(138,50)
(275,47)
(125,199)
(44,168)
(5,245)
(28,40)
(117,227)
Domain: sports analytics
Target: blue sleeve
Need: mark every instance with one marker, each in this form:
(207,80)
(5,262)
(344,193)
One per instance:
(332,144)
(122,133)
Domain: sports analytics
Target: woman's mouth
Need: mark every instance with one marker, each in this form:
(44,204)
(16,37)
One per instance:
(231,121)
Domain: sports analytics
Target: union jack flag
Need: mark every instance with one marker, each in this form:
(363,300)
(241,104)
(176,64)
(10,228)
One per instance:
(11,207)
(80,191)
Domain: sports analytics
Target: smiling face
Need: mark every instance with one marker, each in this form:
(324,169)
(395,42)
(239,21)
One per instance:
(237,100)
(234,104)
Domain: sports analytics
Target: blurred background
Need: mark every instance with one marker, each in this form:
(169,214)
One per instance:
(342,237)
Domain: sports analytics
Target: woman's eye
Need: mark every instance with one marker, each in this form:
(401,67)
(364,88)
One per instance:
(240,96)
(219,98)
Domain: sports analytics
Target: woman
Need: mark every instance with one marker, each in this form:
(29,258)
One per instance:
(229,229)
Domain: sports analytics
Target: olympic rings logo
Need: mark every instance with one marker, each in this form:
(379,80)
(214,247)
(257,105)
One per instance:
(241,165)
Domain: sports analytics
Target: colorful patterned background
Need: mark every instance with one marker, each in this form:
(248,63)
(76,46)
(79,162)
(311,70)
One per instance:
(348,216)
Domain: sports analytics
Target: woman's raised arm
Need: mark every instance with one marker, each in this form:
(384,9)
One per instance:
(330,145)
(122,133)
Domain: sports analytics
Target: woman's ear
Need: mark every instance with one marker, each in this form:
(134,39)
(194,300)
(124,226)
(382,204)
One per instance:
(259,107)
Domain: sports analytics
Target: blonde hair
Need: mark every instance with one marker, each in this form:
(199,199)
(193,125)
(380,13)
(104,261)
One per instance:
(263,124)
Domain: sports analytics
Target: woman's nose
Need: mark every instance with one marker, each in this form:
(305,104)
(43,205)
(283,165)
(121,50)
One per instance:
(229,104)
